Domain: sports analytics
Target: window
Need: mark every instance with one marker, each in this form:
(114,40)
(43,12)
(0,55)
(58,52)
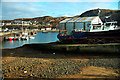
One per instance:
(96,27)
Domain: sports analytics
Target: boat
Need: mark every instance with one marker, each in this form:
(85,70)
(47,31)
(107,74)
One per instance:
(44,31)
(25,33)
(24,37)
(6,38)
(34,33)
(108,32)
(11,38)
(31,37)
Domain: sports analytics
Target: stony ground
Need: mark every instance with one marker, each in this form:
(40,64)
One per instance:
(16,64)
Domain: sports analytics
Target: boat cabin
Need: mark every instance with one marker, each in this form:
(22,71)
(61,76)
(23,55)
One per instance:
(76,24)
(110,25)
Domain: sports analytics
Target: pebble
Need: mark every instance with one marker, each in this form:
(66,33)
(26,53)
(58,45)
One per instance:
(58,67)
(11,53)
(53,53)
(25,71)
(31,75)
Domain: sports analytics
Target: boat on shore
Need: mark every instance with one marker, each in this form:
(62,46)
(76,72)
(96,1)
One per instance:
(89,32)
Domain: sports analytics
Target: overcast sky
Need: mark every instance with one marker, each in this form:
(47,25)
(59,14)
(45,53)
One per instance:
(12,9)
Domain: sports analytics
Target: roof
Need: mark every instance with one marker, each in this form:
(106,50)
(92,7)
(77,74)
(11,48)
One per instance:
(78,19)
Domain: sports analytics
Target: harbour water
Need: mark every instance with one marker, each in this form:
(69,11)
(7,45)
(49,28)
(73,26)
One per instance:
(39,38)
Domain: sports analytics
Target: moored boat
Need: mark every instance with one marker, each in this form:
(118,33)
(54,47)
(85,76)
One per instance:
(44,31)
(31,37)
(88,30)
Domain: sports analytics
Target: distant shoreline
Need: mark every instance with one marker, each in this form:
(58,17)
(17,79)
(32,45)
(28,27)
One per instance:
(48,30)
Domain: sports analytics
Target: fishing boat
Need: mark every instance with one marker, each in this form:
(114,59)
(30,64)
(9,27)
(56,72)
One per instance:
(44,31)
(88,30)
(11,38)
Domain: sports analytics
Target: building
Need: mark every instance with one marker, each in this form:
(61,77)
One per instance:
(78,24)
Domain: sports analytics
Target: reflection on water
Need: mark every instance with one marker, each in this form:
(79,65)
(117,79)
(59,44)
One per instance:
(39,38)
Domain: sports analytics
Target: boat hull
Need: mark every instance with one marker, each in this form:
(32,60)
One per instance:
(92,37)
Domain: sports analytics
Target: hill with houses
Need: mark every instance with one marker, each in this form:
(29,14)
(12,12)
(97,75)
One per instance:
(48,21)
(38,22)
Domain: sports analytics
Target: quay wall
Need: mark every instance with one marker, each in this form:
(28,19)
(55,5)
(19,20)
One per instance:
(103,49)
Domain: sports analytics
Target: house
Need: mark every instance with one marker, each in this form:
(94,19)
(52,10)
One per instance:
(79,24)
(42,29)
(48,28)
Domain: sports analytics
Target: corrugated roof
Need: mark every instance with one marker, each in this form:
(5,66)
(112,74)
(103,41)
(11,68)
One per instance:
(83,19)
(73,20)
(64,21)
(78,19)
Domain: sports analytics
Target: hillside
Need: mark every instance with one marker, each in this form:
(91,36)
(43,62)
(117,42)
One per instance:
(48,21)
(54,21)
(114,14)
(45,21)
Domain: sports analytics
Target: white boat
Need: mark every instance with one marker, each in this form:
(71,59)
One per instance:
(44,31)
(11,38)
(25,33)
(31,37)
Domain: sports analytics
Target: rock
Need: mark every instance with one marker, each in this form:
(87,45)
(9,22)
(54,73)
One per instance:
(40,75)
(53,53)
(31,75)
(25,71)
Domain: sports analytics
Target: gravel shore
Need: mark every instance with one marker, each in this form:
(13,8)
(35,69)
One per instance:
(26,63)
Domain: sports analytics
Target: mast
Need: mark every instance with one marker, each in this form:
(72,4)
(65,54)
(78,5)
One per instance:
(22,24)
(99,12)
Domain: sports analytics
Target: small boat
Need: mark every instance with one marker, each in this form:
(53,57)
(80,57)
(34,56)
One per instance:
(25,33)
(11,38)
(34,33)
(31,37)
(24,38)
(15,38)
(44,31)
(6,38)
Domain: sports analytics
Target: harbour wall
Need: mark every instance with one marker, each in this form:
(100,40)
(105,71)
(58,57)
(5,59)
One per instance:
(94,49)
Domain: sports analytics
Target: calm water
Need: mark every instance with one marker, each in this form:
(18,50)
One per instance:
(39,38)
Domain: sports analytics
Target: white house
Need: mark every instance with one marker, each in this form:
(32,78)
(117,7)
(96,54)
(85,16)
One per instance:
(43,29)
(79,23)
(48,28)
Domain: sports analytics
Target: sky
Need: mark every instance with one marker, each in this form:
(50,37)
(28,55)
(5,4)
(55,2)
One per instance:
(12,9)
